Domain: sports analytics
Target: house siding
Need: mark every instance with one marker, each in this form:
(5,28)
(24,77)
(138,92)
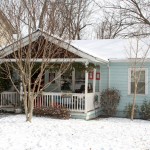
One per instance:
(104,76)
(119,80)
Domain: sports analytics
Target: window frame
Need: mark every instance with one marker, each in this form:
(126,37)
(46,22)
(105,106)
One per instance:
(146,80)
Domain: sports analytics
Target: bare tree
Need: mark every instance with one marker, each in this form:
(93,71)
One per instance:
(6,28)
(110,26)
(135,15)
(65,18)
(31,56)
(74,15)
(138,53)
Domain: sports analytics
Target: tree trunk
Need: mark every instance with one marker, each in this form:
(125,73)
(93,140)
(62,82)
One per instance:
(29,106)
(26,107)
(30,114)
(133,104)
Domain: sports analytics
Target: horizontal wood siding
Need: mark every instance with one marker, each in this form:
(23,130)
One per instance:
(119,80)
(104,76)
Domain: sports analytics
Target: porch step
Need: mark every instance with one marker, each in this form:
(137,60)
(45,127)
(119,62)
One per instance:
(7,108)
(86,116)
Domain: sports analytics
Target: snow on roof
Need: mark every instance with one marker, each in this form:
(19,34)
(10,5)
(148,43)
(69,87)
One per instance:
(112,48)
(104,49)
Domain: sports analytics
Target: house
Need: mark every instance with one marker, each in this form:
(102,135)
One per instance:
(6,30)
(82,97)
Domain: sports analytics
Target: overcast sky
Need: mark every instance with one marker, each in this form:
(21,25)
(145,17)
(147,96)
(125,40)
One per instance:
(95,17)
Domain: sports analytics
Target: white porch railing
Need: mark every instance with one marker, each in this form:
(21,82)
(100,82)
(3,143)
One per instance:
(9,99)
(75,102)
(72,101)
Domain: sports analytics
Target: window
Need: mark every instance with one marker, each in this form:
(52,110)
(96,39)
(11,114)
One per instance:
(139,76)
(52,77)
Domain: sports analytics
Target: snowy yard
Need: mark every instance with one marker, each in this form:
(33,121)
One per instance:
(52,134)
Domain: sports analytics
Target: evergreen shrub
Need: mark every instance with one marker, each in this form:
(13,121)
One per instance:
(145,110)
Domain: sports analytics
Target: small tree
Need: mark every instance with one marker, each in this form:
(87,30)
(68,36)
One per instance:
(137,57)
(128,110)
(109,101)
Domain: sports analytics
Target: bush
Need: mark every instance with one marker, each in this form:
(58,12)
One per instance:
(145,110)
(53,111)
(109,101)
(128,110)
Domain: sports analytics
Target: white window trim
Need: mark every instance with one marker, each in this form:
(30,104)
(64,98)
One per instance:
(146,80)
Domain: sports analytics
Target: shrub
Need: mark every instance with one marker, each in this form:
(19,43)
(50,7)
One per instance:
(109,101)
(128,110)
(55,111)
(145,110)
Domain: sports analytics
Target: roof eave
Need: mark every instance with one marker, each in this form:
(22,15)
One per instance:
(127,60)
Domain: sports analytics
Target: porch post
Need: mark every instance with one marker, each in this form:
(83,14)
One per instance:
(100,79)
(94,79)
(73,80)
(86,88)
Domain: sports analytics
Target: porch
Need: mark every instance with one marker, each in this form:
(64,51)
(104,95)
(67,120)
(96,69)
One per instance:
(75,102)
(79,92)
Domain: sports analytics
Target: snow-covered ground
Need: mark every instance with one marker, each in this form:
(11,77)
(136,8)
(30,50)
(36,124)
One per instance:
(53,134)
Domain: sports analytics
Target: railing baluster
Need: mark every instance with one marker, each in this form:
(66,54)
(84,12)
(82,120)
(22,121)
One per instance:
(45,100)
(49,100)
(77,103)
(42,100)
(52,100)
(62,101)
(67,102)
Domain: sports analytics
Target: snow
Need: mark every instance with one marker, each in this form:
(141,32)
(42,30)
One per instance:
(105,49)
(112,48)
(73,134)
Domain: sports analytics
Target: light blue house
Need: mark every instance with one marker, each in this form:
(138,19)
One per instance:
(80,91)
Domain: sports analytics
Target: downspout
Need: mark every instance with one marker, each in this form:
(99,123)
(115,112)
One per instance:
(108,66)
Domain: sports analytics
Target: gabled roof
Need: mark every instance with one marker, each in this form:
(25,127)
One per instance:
(93,50)
(56,40)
